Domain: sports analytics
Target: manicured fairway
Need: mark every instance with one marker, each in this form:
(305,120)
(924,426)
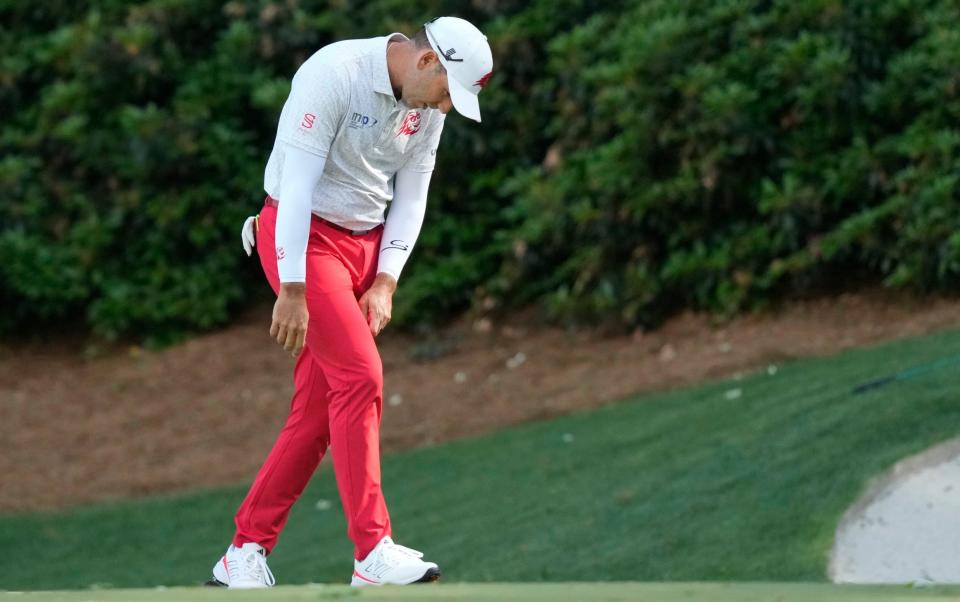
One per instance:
(509,592)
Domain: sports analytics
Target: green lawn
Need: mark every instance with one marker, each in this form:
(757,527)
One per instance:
(519,592)
(694,485)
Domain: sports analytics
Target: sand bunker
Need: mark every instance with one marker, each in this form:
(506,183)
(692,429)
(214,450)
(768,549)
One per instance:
(906,528)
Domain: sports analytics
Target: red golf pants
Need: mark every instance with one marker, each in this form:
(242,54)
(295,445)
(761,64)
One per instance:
(338,393)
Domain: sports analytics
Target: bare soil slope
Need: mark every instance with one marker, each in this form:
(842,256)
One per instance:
(129,422)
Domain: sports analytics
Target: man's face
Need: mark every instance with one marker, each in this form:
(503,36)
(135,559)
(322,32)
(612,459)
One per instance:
(428,88)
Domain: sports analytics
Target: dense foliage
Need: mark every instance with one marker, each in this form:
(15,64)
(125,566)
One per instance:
(635,157)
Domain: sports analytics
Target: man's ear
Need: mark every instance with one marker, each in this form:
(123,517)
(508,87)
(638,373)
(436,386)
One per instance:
(427,59)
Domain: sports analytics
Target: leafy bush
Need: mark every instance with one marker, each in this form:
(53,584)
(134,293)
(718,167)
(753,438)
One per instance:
(716,153)
(635,157)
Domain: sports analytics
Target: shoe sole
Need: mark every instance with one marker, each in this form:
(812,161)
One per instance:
(215,583)
(432,574)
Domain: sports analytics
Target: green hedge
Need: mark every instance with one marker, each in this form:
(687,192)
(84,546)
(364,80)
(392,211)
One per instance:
(718,153)
(635,157)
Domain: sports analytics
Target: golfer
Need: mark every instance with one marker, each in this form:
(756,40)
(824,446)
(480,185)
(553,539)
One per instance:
(360,129)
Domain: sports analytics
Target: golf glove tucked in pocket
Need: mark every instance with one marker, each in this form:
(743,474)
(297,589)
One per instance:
(247,234)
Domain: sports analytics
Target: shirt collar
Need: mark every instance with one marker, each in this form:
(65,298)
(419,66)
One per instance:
(383,85)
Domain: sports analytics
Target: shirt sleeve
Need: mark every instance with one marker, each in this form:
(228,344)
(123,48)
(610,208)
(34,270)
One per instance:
(424,157)
(315,108)
(404,220)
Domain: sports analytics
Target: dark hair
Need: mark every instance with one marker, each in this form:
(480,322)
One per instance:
(420,39)
(421,42)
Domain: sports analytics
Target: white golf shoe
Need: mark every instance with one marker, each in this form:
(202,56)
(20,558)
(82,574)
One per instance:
(390,563)
(243,568)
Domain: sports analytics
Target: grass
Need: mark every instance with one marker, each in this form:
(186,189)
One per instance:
(517,592)
(696,485)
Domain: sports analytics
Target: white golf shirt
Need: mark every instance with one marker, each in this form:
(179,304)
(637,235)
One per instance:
(342,108)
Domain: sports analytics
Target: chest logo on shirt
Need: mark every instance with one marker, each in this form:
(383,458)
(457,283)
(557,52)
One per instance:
(411,124)
(360,121)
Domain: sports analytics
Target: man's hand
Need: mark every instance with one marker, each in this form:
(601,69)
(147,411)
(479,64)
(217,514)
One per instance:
(289,326)
(377,303)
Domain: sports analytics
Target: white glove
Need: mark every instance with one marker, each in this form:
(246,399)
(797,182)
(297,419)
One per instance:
(248,235)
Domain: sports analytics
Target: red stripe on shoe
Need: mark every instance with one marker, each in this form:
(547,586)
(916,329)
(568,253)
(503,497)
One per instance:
(356,574)
(224,559)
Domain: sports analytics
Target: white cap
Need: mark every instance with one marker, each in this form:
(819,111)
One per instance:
(465,54)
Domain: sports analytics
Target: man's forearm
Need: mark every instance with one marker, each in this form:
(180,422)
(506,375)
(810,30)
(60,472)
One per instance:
(403,221)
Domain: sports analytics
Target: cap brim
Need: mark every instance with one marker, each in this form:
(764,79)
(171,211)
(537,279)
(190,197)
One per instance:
(464,101)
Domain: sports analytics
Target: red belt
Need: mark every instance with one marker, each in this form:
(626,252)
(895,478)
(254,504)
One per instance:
(272,202)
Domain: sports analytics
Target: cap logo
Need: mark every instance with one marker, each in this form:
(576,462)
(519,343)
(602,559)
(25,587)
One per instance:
(483,80)
(448,54)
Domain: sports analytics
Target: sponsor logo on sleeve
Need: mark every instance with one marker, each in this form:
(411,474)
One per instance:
(398,245)
(307,122)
